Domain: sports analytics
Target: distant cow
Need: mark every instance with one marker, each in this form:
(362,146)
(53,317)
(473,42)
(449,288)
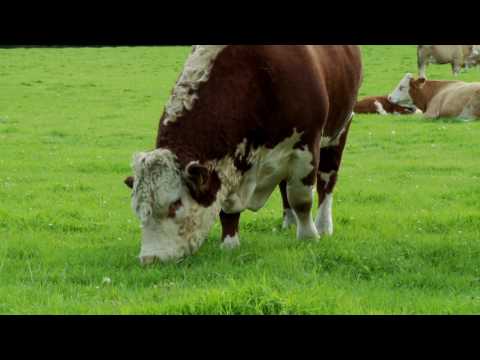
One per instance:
(459,56)
(241,121)
(450,99)
(381,105)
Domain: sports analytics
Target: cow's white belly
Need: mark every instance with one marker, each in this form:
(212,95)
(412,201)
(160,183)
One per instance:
(269,168)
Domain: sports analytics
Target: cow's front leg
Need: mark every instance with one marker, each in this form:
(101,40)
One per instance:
(288,215)
(300,197)
(230,236)
(456,68)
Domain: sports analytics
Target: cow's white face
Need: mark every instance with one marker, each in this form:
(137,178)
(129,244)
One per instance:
(401,94)
(173,224)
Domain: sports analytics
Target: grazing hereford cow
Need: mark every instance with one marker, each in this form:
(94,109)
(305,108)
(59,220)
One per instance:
(242,120)
(381,105)
(459,56)
(436,99)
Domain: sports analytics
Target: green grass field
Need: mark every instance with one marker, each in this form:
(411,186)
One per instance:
(407,219)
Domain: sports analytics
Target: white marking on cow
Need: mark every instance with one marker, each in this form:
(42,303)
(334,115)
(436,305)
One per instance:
(327,176)
(328,142)
(268,168)
(230,242)
(325,141)
(380,108)
(289,219)
(300,194)
(401,94)
(160,240)
(196,71)
(324,219)
(241,150)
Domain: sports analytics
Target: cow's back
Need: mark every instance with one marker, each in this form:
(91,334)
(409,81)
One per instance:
(452,100)
(444,54)
(317,86)
(261,94)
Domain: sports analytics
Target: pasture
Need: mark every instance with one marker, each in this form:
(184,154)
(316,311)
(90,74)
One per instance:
(406,210)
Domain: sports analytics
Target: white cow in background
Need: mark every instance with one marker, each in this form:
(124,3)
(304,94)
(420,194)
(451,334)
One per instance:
(459,56)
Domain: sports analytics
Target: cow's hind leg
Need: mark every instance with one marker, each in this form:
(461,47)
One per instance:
(288,215)
(230,233)
(330,161)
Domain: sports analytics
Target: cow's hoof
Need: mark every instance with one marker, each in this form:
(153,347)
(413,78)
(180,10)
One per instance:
(308,233)
(324,226)
(325,229)
(230,242)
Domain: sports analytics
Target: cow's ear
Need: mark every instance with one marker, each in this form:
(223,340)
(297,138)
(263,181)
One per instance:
(129,181)
(202,183)
(196,174)
(421,82)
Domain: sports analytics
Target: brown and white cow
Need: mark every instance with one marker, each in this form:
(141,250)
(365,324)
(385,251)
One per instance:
(242,120)
(449,99)
(459,56)
(381,105)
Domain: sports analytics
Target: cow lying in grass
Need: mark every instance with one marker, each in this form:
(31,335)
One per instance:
(437,99)
(381,105)
(241,121)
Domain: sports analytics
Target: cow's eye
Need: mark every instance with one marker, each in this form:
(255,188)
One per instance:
(172,210)
(402,88)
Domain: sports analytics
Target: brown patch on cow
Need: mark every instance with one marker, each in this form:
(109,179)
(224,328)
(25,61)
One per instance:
(422,91)
(203,184)
(367,106)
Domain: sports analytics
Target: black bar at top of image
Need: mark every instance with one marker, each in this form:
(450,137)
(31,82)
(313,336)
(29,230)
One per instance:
(238,26)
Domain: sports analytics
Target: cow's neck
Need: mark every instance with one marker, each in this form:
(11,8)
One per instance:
(224,109)
(422,98)
(188,142)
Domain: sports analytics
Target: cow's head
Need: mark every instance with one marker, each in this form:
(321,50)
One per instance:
(474,58)
(406,91)
(176,207)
